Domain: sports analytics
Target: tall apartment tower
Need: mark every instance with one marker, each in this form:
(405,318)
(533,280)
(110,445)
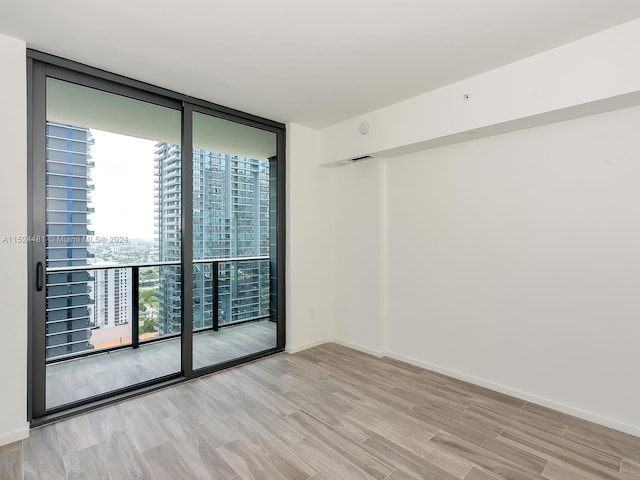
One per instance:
(68,167)
(111,296)
(230,220)
(168,174)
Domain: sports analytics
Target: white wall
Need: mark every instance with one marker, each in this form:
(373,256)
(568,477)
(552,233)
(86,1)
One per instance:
(333,221)
(310,242)
(358,224)
(514,261)
(510,261)
(508,258)
(13,256)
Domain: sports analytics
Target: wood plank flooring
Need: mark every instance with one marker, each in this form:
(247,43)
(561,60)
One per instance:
(11,461)
(328,413)
(85,377)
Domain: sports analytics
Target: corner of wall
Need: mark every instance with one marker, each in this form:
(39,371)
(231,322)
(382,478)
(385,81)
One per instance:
(310,241)
(358,280)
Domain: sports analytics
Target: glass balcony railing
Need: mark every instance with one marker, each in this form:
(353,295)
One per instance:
(97,308)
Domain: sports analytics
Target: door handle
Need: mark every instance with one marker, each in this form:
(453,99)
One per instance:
(39,277)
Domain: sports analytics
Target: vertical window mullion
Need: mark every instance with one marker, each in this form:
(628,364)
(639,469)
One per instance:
(187,239)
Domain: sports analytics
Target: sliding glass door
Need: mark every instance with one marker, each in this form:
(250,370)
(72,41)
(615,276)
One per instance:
(231,240)
(156,234)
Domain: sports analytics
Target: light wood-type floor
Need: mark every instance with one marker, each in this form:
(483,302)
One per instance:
(11,461)
(88,376)
(328,413)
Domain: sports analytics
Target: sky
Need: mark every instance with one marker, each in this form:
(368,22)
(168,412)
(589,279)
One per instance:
(123,178)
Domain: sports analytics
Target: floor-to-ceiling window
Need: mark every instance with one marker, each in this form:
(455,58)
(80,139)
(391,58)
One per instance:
(231,239)
(155,235)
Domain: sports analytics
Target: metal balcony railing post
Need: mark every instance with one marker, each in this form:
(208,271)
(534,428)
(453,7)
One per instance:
(215,273)
(135,307)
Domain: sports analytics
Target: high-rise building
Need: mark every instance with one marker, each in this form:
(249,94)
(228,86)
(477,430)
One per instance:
(168,172)
(230,220)
(68,167)
(111,296)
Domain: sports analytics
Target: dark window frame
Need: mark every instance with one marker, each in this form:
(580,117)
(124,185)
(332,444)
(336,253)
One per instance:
(41,65)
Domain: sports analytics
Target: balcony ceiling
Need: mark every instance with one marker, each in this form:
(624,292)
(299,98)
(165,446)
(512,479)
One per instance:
(311,62)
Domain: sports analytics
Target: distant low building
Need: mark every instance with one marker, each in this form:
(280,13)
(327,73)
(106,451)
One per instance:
(111,296)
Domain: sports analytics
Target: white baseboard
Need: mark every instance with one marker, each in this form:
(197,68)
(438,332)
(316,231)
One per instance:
(304,346)
(344,343)
(529,397)
(356,346)
(16,436)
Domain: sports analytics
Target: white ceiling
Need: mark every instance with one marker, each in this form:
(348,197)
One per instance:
(312,62)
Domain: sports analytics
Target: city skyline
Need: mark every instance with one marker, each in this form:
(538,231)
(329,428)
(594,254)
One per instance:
(111,185)
(231,212)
